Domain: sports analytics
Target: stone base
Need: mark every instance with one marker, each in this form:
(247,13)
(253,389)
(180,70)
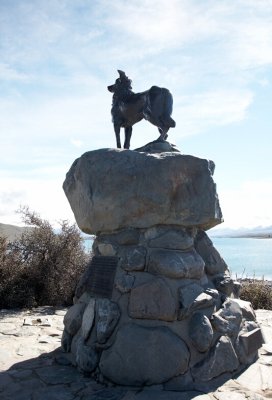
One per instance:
(169,315)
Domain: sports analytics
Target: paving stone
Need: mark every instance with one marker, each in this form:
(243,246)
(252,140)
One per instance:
(45,339)
(90,387)
(256,396)
(257,378)
(154,395)
(11,390)
(61,312)
(230,396)
(180,383)
(129,396)
(63,360)
(57,392)
(213,384)
(7,327)
(5,380)
(22,390)
(20,381)
(105,394)
(76,387)
(18,394)
(37,321)
(55,374)
(21,374)
(24,331)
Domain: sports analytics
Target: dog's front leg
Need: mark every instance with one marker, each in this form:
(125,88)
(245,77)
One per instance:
(117,134)
(128,132)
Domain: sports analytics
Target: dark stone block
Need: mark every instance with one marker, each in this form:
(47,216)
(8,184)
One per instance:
(251,341)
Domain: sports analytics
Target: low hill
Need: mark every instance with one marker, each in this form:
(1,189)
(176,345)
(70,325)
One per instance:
(11,231)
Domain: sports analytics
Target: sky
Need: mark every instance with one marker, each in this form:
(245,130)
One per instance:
(57,58)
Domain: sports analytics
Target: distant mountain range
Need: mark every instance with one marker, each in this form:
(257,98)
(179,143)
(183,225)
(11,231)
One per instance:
(13,231)
(257,232)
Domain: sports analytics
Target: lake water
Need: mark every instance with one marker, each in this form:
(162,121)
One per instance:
(246,257)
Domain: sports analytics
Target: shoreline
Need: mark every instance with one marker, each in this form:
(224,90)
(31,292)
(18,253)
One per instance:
(241,237)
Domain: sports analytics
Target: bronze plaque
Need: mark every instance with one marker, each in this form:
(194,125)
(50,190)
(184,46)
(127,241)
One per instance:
(101,276)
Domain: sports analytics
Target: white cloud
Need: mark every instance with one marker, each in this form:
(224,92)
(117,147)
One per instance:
(198,113)
(54,120)
(10,74)
(76,142)
(247,206)
(43,196)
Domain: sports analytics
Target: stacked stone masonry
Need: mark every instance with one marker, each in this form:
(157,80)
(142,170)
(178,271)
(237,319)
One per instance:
(173,312)
(157,304)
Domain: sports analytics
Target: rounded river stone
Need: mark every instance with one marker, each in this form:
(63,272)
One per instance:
(144,356)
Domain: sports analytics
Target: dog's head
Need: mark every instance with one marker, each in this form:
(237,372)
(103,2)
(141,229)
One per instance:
(122,83)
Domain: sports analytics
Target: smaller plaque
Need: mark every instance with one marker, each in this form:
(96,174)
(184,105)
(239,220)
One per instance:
(101,275)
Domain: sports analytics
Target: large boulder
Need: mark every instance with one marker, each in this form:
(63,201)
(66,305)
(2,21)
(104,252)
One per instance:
(110,189)
(144,356)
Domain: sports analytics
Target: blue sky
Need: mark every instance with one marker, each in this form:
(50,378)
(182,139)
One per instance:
(58,56)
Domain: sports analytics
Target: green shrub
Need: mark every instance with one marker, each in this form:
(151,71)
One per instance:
(258,292)
(41,267)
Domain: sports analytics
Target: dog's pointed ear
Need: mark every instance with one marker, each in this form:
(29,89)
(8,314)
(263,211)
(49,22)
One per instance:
(122,74)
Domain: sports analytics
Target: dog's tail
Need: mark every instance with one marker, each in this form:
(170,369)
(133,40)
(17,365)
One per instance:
(161,103)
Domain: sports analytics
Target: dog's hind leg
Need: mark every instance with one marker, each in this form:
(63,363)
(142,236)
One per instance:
(128,132)
(163,134)
(117,134)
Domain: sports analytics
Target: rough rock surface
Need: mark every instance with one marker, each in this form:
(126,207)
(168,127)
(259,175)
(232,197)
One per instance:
(138,353)
(145,301)
(200,331)
(221,359)
(108,314)
(141,190)
(157,302)
(176,264)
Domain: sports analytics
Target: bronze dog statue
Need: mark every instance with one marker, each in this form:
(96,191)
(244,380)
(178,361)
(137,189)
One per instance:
(155,105)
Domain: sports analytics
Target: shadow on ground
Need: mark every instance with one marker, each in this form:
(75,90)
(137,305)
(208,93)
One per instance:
(50,377)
